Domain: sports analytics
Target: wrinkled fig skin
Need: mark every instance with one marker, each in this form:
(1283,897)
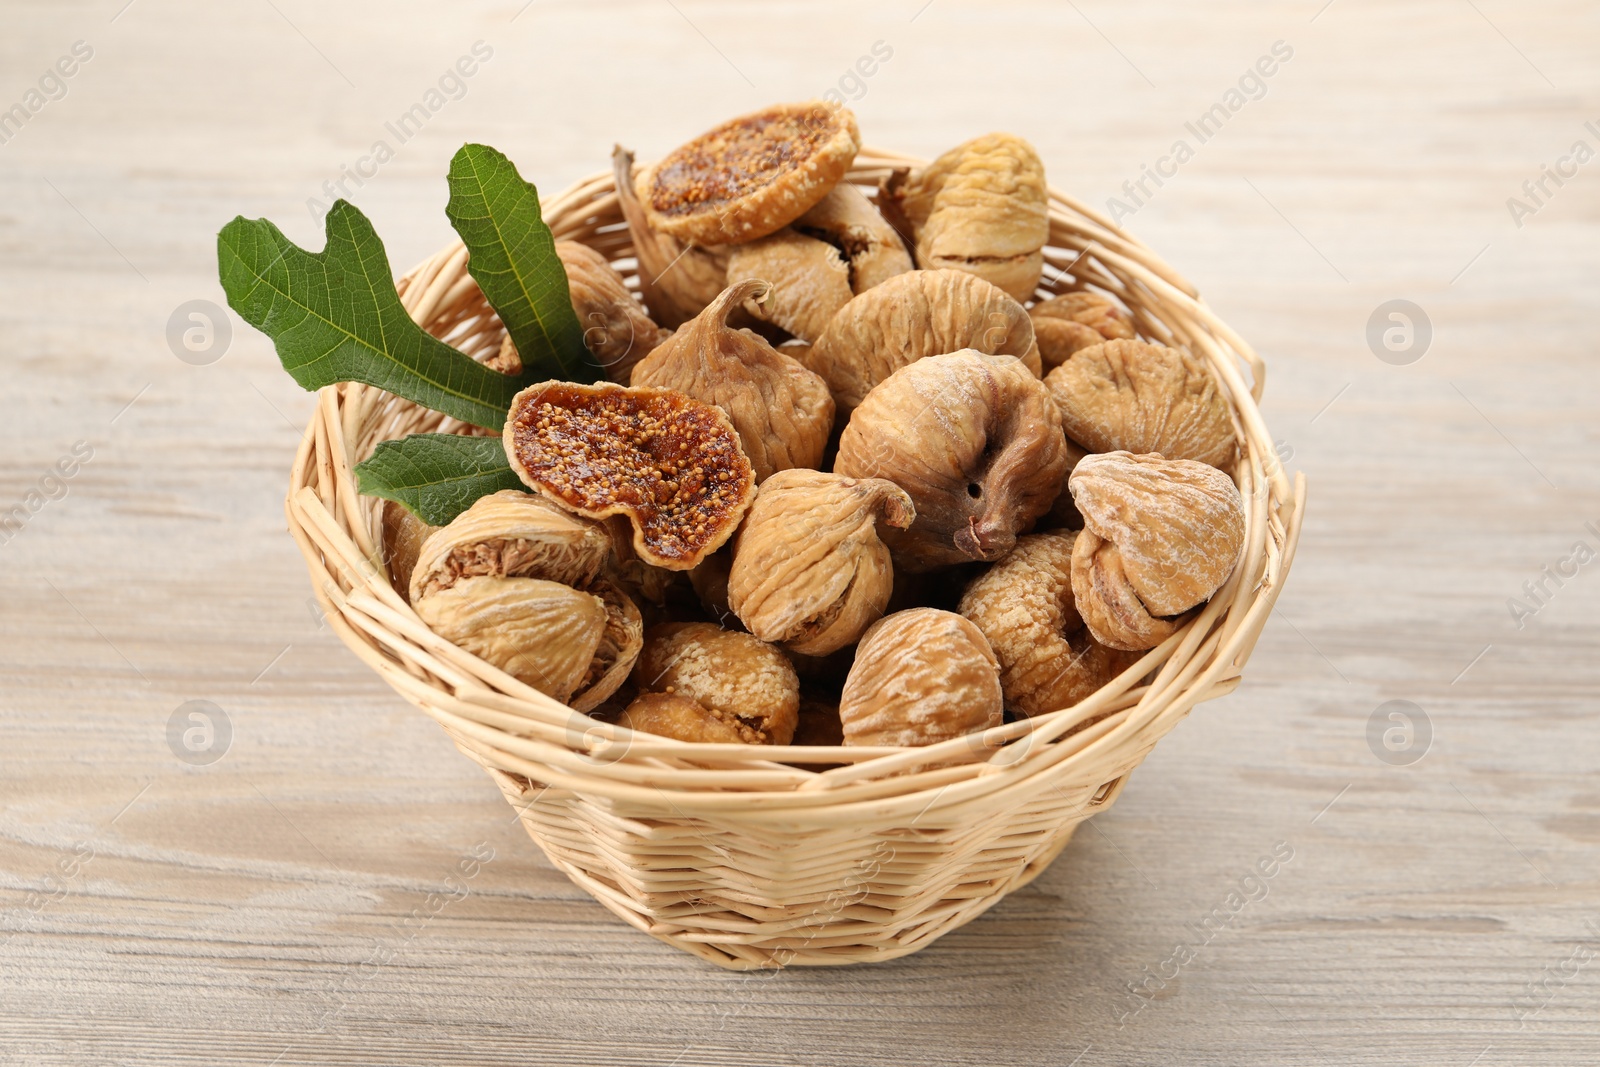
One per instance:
(809,280)
(809,571)
(871,248)
(1110,608)
(1074,321)
(782,412)
(912,316)
(511,534)
(920,677)
(1137,397)
(974,440)
(676,279)
(1024,605)
(542,633)
(981,207)
(1160,537)
(741,680)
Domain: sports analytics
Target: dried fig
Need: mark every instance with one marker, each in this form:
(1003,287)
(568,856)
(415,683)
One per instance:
(403,535)
(1066,323)
(1137,397)
(809,571)
(912,316)
(618,649)
(871,248)
(676,279)
(1160,537)
(975,441)
(809,280)
(920,677)
(511,534)
(682,719)
(750,176)
(739,682)
(1024,606)
(782,411)
(542,633)
(669,463)
(981,207)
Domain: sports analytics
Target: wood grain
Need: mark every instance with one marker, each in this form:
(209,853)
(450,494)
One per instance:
(265,908)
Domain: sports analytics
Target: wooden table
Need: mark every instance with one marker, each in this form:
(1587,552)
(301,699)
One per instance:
(1442,910)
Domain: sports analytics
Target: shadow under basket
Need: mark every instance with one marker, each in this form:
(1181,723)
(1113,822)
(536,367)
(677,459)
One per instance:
(731,852)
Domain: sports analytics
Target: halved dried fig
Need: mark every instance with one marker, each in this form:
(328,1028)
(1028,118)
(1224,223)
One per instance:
(1072,321)
(1160,537)
(982,207)
(974,439)
(1138,397)
(809,280)
(1025,607)
(676,279)
(912,316)
(669,463)
(809,571)
(750,176)
(511,534)
(782,412)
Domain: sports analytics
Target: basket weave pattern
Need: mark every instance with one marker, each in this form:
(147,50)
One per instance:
(723,850)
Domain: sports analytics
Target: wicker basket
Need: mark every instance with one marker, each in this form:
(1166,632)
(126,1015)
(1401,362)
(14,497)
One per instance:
(733,853)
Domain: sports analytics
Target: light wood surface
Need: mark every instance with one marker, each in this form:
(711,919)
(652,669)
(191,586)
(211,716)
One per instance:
(274,907)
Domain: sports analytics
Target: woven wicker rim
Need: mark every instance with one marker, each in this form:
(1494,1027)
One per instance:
(524,735)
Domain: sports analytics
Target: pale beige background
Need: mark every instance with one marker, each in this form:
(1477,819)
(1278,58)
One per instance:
(249,911)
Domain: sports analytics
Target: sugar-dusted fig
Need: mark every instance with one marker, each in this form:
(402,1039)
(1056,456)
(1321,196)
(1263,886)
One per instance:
(1066,323)
(1137,397)
(809,571)
(809,280)
(511,534)
(848,221)
(782,412)
(676,278)
(1024,606)
(741,685)
(750,176)
(981,207)
(1160,537)
(542,633)
(616,328)
(668,462)
(976,442)
(920,677)
(912,316)
(403,535)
